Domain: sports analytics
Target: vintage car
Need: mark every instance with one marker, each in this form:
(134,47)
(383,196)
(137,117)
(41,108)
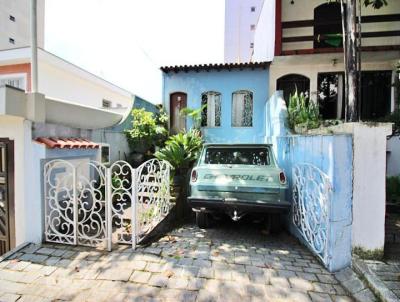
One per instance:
(237,180)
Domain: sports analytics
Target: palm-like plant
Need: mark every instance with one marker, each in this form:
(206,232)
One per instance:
(194,115)
(182,149)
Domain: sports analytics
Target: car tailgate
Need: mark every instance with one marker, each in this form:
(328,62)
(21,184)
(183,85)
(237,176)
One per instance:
(238,178)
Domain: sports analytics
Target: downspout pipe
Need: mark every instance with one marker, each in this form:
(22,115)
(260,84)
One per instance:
(34,53)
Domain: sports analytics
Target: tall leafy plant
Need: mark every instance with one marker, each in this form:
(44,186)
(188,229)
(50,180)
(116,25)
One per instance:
(182,150)
(302,112)
(194,115)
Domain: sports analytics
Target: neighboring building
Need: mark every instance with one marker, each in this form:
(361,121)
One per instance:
(309,55)
(15,23)
(241,18)
(30,125)
(61,79)
(235,95)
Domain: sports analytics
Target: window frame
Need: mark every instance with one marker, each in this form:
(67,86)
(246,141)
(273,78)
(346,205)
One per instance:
(220,100)
(252,108)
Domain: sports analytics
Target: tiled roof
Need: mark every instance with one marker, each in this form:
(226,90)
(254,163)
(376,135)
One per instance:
(67,143)
(207,67)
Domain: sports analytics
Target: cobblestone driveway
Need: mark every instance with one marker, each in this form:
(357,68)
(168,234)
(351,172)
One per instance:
(229,263)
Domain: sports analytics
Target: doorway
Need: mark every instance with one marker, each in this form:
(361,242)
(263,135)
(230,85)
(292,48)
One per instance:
(376,94)
(178,101)
(7,215)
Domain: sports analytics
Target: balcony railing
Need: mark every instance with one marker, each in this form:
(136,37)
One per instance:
(385,38)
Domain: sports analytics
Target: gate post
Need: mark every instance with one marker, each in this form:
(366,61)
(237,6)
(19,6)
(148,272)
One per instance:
(134,219)
(108,200)
(75,204)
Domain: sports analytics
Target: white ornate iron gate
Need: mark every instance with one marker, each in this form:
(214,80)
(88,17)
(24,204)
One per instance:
(311,201)
(87,203)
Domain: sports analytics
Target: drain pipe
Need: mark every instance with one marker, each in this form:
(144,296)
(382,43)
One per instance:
(34,54)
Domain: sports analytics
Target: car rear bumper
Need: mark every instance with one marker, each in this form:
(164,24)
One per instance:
(220,204)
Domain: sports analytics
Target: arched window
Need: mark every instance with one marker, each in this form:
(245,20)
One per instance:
(242,109)
(328,25)
(211,114)
(289,83)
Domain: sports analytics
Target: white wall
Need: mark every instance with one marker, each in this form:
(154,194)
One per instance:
(264,38)
(238,35)
(28,225)
(59,83)
(369,183)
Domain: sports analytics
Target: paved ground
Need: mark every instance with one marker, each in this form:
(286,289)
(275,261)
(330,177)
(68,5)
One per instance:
(388,271)
(228,263)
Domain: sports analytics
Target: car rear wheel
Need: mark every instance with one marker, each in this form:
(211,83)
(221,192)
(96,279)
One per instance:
(202,220)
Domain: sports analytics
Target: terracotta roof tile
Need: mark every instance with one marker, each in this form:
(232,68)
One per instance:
(67,143)
(207,67)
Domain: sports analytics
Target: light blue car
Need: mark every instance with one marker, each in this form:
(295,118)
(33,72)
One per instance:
(237,180)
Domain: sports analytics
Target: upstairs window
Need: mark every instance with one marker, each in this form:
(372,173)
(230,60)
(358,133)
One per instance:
(253,9)
(11,40)
(242,109)
(328,26)
(211,114)
(12,18)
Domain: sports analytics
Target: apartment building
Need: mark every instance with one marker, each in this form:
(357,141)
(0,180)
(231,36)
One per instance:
(241,18)
(15,23)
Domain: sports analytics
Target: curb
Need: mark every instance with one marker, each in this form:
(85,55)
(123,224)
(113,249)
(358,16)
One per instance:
(376,285)
(14,250)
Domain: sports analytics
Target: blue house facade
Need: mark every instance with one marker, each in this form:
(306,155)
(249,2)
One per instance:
(233,98)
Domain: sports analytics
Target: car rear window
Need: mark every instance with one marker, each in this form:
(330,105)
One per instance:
(237,156)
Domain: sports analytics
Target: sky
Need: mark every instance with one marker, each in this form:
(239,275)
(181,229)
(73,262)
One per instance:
(126,41)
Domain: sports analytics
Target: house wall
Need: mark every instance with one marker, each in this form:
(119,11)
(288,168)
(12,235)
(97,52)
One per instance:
(311,65)
(226,82)
(27,206)
(304,10)
(60,83)
(59,79)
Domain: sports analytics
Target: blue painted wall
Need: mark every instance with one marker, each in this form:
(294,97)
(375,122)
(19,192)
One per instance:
(333,155)
(225,82)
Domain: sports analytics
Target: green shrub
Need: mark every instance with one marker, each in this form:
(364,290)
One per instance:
(302,112)
(182,150)
(148,129)
(393,189)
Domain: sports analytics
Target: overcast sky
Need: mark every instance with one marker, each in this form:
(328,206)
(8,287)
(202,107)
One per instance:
(126,41)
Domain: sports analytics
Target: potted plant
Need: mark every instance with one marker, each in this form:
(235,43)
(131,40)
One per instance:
(181,151)
(303,114)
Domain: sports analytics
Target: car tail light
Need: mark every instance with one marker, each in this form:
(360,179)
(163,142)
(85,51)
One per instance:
(282,177)
(194,176)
